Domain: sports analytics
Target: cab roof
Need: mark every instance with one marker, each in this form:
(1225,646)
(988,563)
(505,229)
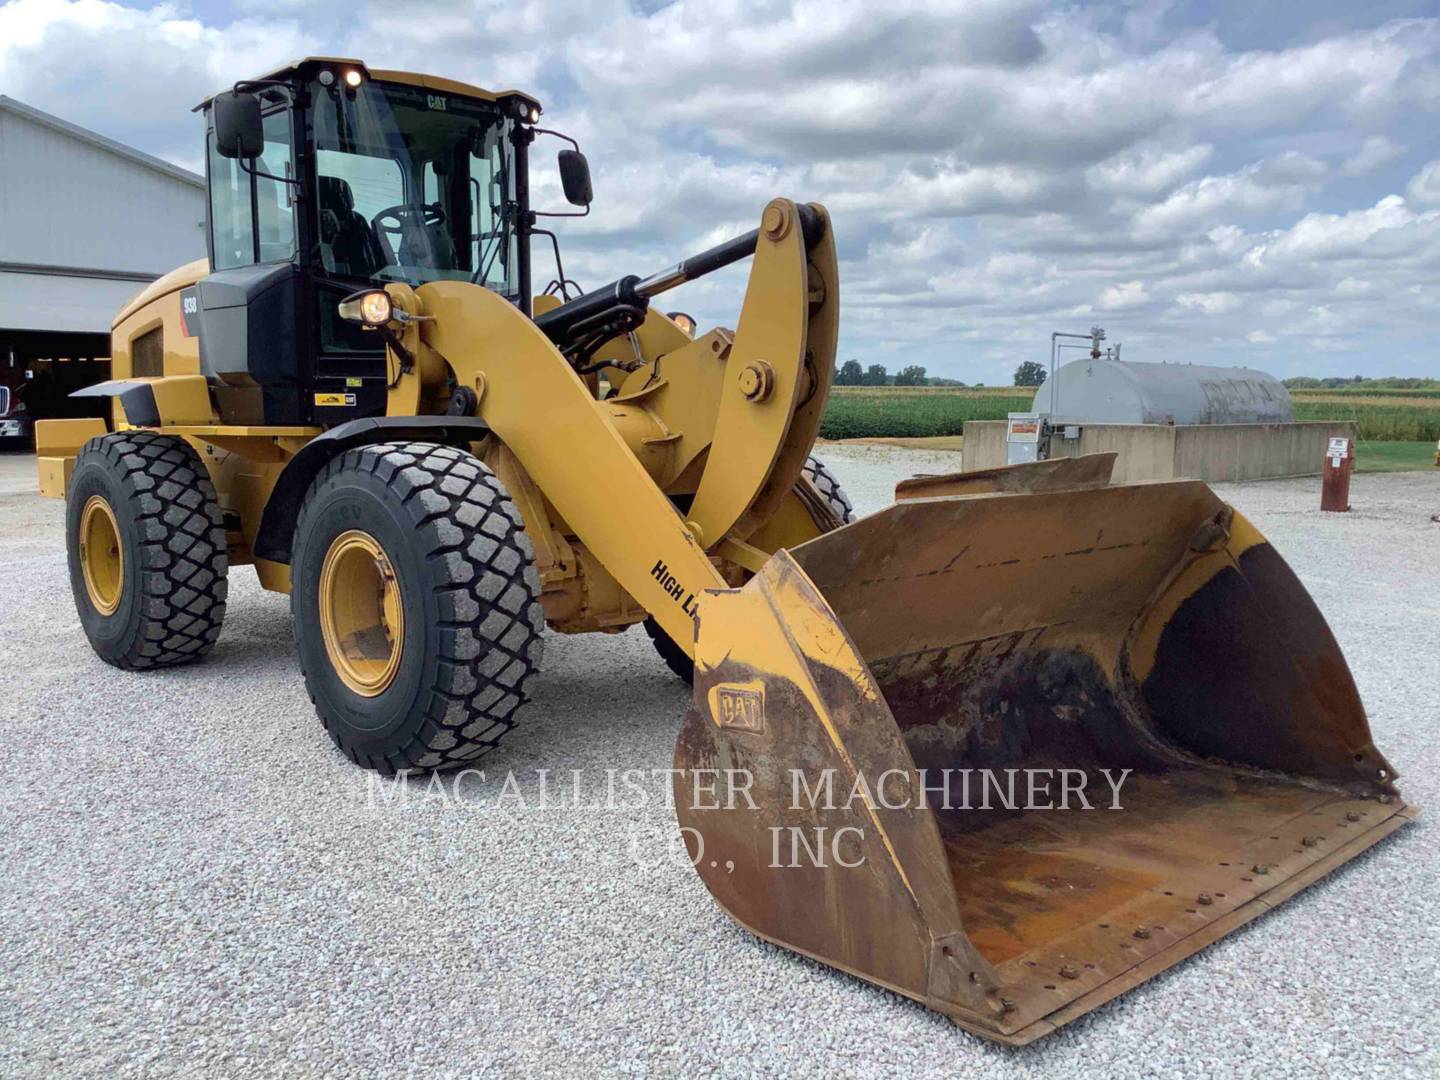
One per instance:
(408,78)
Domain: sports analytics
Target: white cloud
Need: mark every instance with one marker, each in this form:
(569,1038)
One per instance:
(1259,188)
(1375,151)
(1146,171)
(1261,88)
(1289,167)
(1425,186)
(1215,303)
(1328,236)
(962,191)
(996,169)
(1228,240)
(135,74)
(1125,295)
(1009,277)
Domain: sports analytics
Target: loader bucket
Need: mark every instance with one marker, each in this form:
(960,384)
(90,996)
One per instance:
(1016,637)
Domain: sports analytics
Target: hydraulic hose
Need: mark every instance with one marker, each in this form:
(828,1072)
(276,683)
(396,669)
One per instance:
(635,292)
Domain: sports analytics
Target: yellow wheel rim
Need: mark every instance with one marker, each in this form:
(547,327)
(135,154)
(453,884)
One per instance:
(362,618)
(101,559)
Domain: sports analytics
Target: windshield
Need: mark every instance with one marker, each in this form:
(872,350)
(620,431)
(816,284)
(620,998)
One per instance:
(413,186)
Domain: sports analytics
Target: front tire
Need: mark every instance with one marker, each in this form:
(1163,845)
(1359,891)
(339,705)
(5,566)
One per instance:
(146,549)
(416,606)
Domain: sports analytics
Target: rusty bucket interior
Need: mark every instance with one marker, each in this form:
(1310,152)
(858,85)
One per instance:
(1138,653)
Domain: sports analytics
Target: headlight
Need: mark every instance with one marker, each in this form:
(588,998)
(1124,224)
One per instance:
(684,321)
(371,307)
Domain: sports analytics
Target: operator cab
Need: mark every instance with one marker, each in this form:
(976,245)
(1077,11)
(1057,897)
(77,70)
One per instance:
(326,178)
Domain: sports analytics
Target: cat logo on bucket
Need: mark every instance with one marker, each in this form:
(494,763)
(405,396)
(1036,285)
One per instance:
(739,705)
(334,399)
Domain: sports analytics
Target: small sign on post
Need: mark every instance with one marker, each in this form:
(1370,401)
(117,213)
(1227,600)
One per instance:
(1335,482)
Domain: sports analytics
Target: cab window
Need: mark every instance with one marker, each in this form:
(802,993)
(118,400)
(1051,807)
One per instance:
(238,198)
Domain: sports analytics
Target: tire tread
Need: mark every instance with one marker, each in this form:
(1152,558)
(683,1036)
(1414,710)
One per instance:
(183,557)
(452,498)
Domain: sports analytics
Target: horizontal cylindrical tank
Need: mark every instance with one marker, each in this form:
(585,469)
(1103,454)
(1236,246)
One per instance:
(1125,392)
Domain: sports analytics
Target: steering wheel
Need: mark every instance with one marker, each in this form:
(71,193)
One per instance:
(395,219)
(412,223)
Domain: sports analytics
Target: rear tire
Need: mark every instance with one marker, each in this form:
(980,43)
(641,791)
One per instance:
(814,470)
(146,548)
(830,490)
(676,658)
(416,606)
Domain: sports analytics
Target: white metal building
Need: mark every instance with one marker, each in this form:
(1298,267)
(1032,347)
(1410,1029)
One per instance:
(85,224)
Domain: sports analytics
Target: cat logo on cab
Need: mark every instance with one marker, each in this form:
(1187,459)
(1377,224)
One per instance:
(334,399)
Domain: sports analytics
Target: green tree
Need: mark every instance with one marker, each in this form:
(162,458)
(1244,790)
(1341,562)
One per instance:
(876,375)
(850,374)
(1030,373)
(913,375)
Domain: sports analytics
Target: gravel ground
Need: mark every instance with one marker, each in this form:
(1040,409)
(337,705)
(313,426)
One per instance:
(195,880)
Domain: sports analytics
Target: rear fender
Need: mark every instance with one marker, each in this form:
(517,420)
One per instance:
(152,402)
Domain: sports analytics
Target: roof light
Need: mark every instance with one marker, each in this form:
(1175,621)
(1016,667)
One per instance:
(353,78)
(327,78)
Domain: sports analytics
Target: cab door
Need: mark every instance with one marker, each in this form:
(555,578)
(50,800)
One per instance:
(247,312)
(351,372)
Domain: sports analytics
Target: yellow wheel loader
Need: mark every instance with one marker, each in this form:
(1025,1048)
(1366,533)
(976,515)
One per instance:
(359,394)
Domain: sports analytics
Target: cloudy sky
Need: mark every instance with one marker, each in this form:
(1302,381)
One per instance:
(1231,181)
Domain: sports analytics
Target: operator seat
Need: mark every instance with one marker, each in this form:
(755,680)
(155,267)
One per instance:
(426,245)
(347,242)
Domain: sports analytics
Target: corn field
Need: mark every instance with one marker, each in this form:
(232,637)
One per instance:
(856,412)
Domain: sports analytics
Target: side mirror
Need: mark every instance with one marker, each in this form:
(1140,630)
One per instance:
(239,132)
(575,178)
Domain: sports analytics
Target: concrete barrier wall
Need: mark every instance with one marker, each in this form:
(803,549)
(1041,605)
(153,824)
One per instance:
(1165,452)
(1255,451)
(984,446)
(1144,451)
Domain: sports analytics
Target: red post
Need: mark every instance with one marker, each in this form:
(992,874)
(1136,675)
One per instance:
(1339,464)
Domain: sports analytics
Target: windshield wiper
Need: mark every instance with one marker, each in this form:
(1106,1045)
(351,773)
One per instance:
(482,272)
